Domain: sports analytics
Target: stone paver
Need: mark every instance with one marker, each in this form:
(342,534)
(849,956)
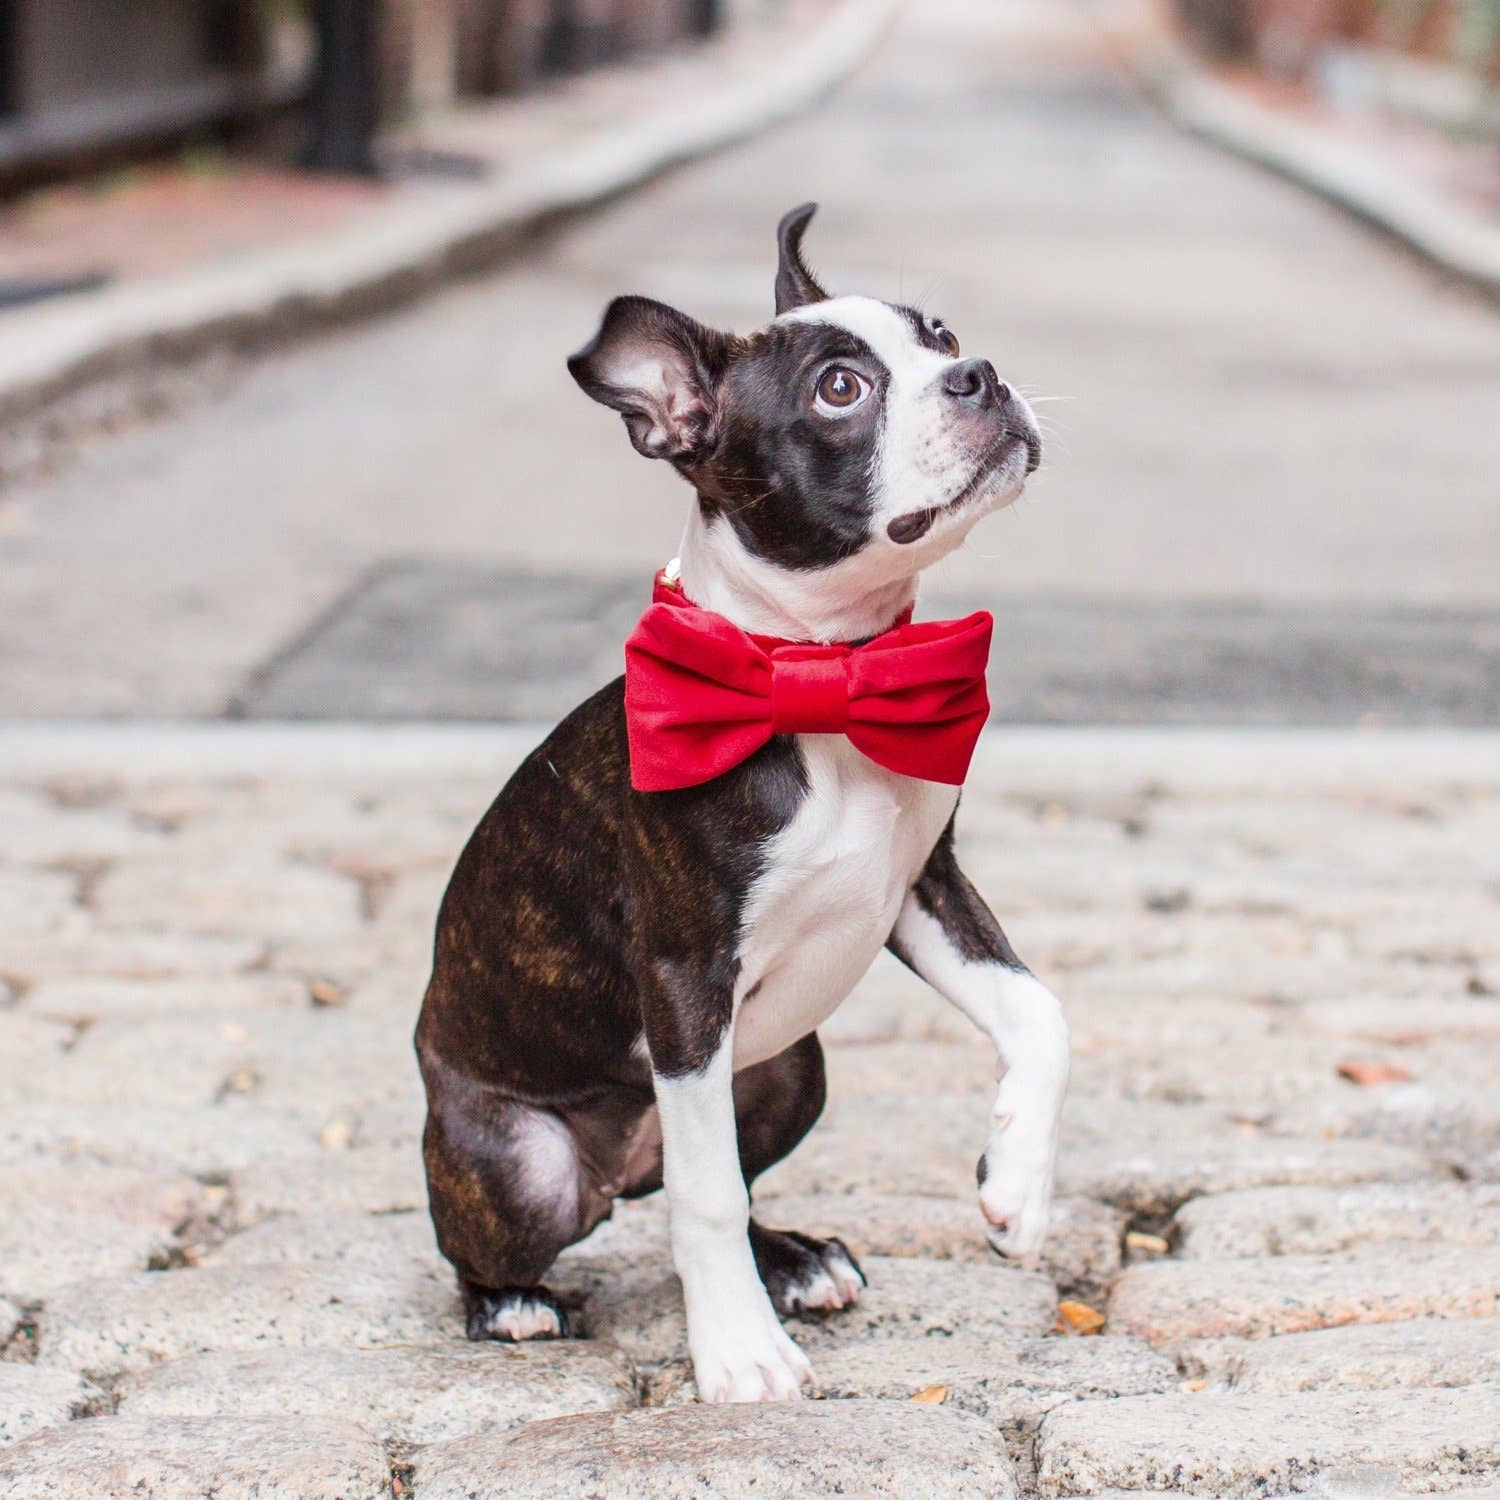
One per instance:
(59,1226)
(133,1321)
(32,1399)
(726,1452)
(1295,1293)
(1371,1356)
(1208,1444)
(410,1396)
(251,1458)
(1307,1220)
(213,1220)
(1082,1249)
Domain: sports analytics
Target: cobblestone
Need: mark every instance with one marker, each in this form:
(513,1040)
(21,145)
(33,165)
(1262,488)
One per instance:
(249,1458)
(409,1396)
(130,1322)
(33,1399)
(1310,1220)
(725,1452)
(1208,1444)
(1082,1249)
(1295,1293)
(212,1211)
(59,1226)
(1372,1356)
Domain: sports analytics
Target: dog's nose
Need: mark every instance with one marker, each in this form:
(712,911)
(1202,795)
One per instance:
(975,383)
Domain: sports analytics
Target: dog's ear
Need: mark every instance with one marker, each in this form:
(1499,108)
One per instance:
(796,286)
(661,371)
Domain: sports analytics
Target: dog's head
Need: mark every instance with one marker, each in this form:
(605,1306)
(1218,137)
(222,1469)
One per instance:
(850,435)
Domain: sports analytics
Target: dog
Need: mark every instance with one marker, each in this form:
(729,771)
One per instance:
(627,984)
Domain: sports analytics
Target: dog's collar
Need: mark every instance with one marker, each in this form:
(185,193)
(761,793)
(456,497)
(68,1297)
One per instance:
(668,590)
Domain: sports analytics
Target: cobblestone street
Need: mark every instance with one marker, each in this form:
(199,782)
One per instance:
(1279,1181)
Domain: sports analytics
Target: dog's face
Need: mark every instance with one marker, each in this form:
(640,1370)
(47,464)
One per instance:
(851,436)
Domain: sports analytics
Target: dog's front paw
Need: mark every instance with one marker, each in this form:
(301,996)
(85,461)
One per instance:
(513,1314)
(805,1275)
(1015,1188)
(748,1358)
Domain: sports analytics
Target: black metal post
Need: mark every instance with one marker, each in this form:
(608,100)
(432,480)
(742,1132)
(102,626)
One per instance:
(345,102)
(704,17)
(10,58)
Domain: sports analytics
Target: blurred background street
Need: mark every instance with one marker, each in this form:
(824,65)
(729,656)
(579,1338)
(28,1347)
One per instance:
(1269,492)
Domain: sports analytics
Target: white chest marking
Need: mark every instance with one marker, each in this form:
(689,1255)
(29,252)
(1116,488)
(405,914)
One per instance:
(831,891)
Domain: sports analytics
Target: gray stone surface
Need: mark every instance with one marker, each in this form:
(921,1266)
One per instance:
(1296,1293)
(1082,1249)
(82,1001)
(726,1452)
(412,1395)
(210,1140)
(261,1458)
(1008,1382)
(130,1322)
(229,898)
(639,1306)
(938,1299)
(59,1226)
(32,1398)
(131,954)
(1372,1356)
(264,1145)
(1210,1444)
(1309,1220)
(376,1179)
(393,1242)
(1157,1178)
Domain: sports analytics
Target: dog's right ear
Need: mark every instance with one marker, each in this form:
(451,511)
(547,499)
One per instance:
(796,286)
(660,370)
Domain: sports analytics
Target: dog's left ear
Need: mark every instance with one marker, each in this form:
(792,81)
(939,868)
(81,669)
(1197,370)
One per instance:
(661,371)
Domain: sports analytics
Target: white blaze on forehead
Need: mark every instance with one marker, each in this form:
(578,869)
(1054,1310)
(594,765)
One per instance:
(920,459)
(890,336)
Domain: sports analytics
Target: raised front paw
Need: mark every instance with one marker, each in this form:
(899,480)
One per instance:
(747,1356)
(1015,1191)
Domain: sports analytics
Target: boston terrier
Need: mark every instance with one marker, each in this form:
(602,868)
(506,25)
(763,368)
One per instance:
(627,982)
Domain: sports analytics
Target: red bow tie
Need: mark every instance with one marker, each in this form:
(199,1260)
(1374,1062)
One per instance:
(701,695)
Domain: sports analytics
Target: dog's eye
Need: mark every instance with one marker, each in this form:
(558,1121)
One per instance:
(840,388)
(945,336)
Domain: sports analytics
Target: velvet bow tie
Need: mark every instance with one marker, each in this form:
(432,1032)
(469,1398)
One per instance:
(701,695)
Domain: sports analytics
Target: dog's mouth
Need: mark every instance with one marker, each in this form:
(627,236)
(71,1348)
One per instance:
(916,524)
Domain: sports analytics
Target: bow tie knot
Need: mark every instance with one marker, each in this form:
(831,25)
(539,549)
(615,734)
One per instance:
(810,693)
(702,695)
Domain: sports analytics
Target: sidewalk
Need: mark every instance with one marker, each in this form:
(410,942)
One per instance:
(211,254)
(1430,181)
(1279,1182)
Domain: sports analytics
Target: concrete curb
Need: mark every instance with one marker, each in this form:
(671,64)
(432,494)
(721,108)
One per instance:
(1015,758)
(1461,243)
(416,243)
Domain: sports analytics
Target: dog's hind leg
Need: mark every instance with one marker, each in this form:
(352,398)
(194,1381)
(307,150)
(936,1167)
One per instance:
(506,1196)
(776,1103)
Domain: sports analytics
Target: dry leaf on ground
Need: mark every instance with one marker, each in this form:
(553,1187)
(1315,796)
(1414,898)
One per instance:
(1365,1072)
(1079,1317)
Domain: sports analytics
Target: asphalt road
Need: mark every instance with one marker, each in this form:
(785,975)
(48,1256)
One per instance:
(1269,495)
